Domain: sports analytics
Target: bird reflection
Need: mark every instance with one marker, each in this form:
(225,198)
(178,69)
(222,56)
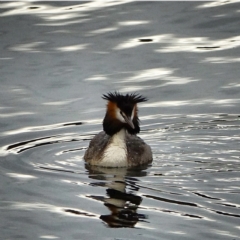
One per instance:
(121,203)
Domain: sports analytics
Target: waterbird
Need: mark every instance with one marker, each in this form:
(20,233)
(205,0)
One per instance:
(118,144)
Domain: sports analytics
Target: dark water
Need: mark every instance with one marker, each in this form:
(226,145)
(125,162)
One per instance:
(57,59)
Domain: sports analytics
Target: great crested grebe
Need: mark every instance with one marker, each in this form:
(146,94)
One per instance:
(118,145)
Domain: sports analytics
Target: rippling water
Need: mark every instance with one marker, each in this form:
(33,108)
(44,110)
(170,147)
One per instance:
(192,188)
(58,58)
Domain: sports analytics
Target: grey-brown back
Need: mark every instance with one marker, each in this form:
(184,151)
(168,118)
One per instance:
(138,152)
(96,148)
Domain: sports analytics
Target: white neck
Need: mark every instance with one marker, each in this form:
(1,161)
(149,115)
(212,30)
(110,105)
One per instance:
(119,137)
(115,154)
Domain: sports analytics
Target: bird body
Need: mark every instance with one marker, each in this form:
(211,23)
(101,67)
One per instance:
(118,145)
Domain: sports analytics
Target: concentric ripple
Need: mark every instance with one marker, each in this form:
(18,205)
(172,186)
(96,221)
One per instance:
(193,181)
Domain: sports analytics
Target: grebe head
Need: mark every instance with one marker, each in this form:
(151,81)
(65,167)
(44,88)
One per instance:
(122,113)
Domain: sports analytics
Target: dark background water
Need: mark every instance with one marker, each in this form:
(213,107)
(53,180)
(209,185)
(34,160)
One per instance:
(58,58)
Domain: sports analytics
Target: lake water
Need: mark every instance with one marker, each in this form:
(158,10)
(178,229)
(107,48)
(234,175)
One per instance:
(58,58)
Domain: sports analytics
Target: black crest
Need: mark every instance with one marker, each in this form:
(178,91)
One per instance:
(118,98)
(126,104)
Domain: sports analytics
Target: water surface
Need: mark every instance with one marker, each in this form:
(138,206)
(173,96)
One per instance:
(58,58)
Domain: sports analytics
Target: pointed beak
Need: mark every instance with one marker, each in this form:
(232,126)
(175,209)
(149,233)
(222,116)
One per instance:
(129,121)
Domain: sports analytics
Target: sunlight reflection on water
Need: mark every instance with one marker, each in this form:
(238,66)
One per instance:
(189,178)
(181,57)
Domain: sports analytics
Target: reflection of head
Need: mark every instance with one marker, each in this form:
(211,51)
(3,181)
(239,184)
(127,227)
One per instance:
(122,205)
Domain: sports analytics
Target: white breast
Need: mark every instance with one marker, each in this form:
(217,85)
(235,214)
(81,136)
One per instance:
(115,154)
